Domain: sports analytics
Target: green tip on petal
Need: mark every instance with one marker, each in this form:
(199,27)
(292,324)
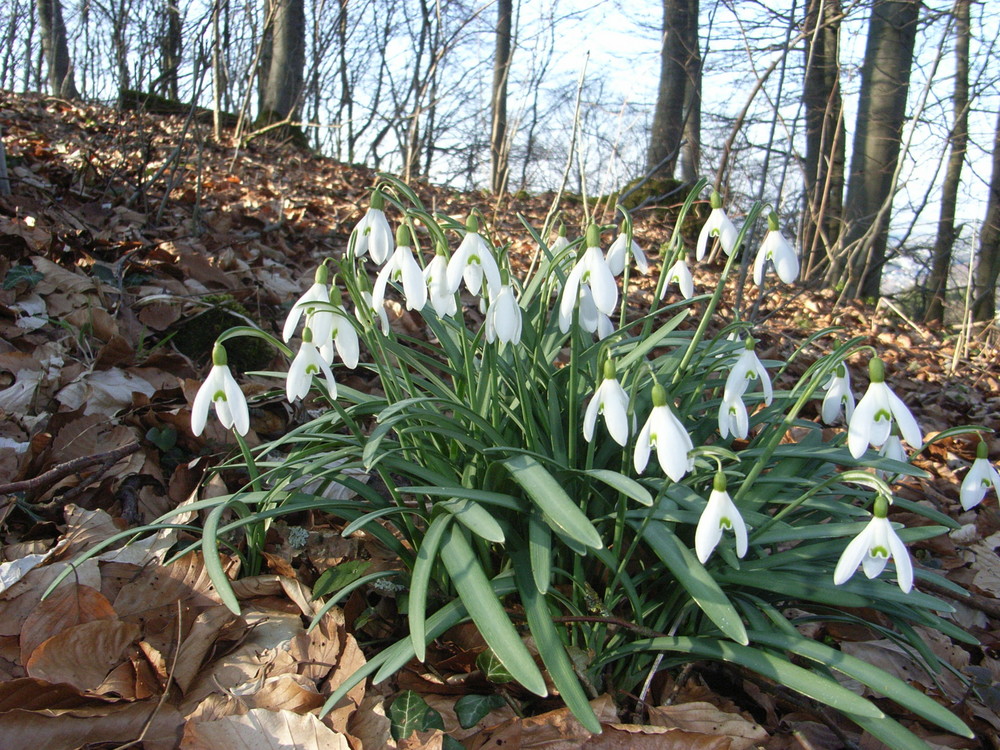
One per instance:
(982,450)
(403,236)
(322,274)
(609,369)
(876,370)
(335,296)
(378,200)
(659,395)
(881,507)
(593,236)
(715,200)
(772,222)
(562,229)
(307,335)
(219,356)
(719,483)
(472,223)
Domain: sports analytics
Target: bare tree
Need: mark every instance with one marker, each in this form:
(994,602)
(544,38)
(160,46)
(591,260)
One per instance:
(499,147)
(691,147)
(668,117)
(170,48)
(282,93)
(984,308)
(56,50)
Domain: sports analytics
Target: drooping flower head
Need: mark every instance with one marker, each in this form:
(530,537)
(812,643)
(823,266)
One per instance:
(402,268)
(977,482)
(307,362)
(503,317)
(838,395)
(680,274)
(374,235)
(872,548)
(892,448)
(610,401)
(749,368)
(721,514)
(436,275)
(717,225)
(592,276)
(619,251)
(733,417)
(872,420)
(221,391)
(318,320)
(664,431)
(342,338)
(472,261)
(779,251)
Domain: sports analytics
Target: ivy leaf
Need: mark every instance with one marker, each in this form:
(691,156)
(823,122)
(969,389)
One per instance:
(17,274)
(410,713)
(470,709)
(492,669)
(163,438)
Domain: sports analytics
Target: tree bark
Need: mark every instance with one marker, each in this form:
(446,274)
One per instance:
(668,117)
(938,282)
(170,50)
(499,166)
(825,136)
(984,308)
(885,79)
(56,50)
(286,71)
(691,148)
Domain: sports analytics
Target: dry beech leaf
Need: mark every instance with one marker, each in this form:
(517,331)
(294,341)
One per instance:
(83,655)
(704,718)
(199,641)
(29,694)
(370,725)
(86,528)
(555,730)
(20,600)
(262,730)
(636,737)
(66,607)
(290,692)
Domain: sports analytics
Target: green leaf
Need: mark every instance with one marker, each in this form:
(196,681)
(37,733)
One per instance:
(477,595)
(623,484)
(19,274)
(560,511)
(475,518)
(692,575)
(163,438)
(492,668)
(419,581)
(410,713)
(213,563)
(540,551)
(470,709)
(339,576)
(781,671)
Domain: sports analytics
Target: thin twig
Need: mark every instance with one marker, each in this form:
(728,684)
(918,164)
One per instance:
(56,473)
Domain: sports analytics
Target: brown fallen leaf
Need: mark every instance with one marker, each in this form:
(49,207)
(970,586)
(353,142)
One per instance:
(259,729)
(68,606)
(704,718)
(83,655)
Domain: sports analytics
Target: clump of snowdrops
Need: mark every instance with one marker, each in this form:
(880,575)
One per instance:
(615,482)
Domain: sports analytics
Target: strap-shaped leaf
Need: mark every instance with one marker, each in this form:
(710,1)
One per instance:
(540,552)
(419,580)
(475,518)
(213,563)
(560,511)
(781,671)
(623,484)
(877,679)
(692,575)
(483,606)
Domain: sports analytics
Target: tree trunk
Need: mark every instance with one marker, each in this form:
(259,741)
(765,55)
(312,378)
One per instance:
(286,71)
(56,50)
(885,79)
(825,136)
(668,117)
(938,282)
(170,50)
(499,167)
(691,149)
(984,308)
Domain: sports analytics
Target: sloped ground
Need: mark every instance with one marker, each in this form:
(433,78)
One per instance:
(128,243)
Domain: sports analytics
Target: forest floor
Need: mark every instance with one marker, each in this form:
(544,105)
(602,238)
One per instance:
(123,247)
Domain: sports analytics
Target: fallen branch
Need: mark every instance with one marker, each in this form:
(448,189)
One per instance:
(56,473)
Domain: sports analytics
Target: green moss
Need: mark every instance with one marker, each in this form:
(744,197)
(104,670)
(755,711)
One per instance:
(196,335)
(275,127)
(633,194)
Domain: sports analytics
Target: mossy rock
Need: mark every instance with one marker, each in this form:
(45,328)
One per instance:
(638,192)
(196,335)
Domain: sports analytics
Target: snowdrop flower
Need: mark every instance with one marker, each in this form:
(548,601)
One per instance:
(611,401)
(977,482)
(721,514)
(872,420)
(436,276)
(747,369)
(620,250)
(872,549)
(718,225)
(503,317)
(307,362)
(472,261)
(779,251)
(374,312)
(680,274)
(733,417)
(342,336)
(560,243)
(221,390)
(665,432)
(893,449)
(402,267)
(319,320)
(373,232)
(590,275)
(838,394)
